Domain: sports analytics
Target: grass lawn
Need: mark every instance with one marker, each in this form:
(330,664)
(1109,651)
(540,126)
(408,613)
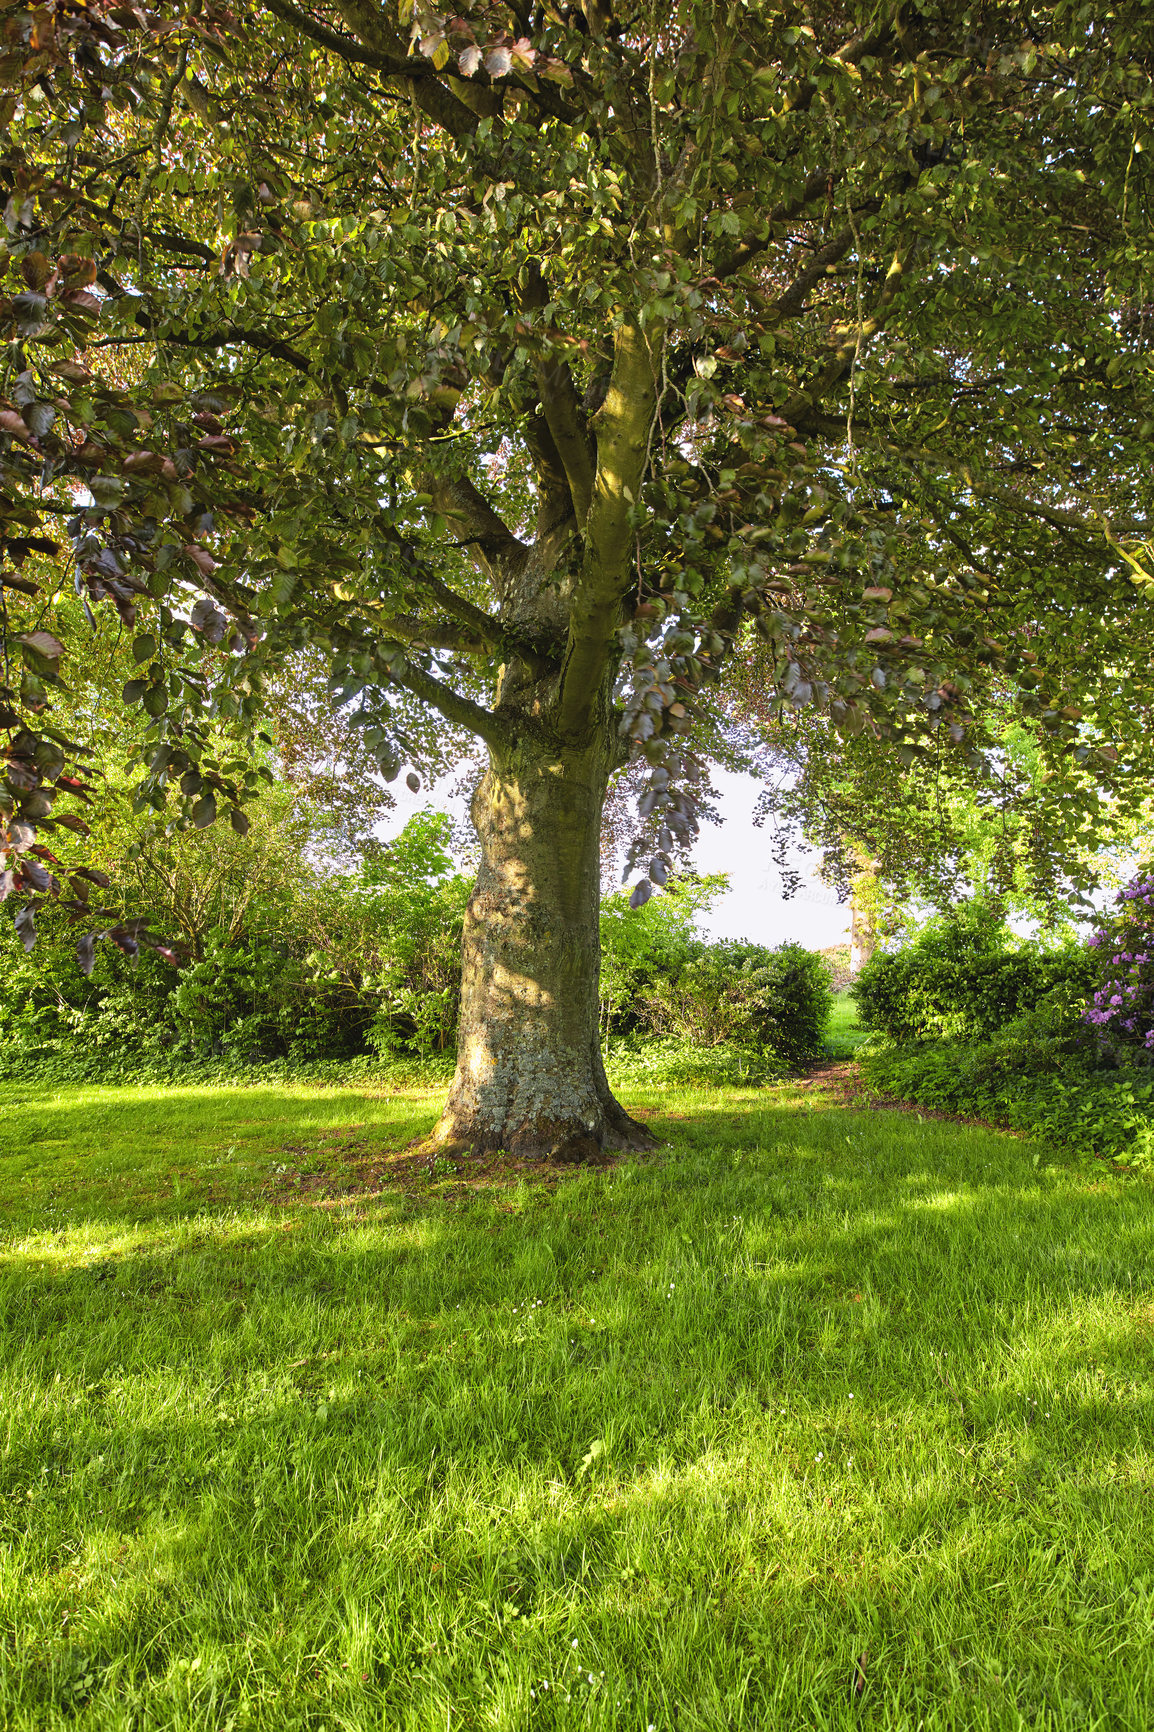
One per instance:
(818,1418)
(844,1033)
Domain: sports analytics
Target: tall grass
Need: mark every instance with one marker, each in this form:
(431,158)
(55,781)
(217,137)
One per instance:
(817,1418)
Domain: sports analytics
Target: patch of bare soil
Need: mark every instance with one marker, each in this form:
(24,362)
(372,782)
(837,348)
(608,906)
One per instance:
(839,1078)
(349,1172)
(841,1081)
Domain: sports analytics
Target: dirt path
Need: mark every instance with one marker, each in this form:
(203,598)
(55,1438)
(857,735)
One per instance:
(840,1080)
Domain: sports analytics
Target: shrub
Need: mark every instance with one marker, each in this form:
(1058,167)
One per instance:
(1059,1097)
(641,947)
(661,978)
(677,1063)
(1121,1012)
(966,976)
(338,966)
(778,1000)
(345,964)
(257,1000)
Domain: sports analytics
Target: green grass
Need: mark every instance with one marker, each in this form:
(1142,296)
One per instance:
(673,1445)
(844,1033)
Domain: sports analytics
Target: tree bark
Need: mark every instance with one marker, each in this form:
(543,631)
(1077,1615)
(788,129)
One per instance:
(529,1078)
(864,892)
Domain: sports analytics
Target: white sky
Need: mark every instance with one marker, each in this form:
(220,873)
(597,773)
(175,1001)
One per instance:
(754,907)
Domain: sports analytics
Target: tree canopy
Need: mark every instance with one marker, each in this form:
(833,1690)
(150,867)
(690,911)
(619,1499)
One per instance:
(527,360)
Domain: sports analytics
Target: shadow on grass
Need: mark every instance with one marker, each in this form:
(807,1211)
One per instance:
(860,1386)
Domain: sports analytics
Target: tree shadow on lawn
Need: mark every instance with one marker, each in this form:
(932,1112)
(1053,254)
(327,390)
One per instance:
(149,1154)
(859,1388)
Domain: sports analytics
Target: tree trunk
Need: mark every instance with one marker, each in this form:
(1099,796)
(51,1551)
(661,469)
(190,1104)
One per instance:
(864,895)
(529,1077)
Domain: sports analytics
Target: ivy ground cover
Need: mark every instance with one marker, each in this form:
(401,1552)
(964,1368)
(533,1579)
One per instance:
(818,1417)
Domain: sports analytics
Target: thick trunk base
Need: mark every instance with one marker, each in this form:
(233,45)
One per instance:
(530,1081)
(572,1133)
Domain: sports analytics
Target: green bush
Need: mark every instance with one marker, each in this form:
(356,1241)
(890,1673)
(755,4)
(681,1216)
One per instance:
(1028,1082)
(777,1001)
(662,981)
(256,1000)
(641,947)
(306,968)
(966,976)
(302,968)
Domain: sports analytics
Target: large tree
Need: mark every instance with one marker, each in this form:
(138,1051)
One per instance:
(526,360)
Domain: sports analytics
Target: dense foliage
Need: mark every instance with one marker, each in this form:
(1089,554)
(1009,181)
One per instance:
(1031,1081)
(661,978)
(984,1025)
(965,975)
(941,830)
(565,343)
(286,960)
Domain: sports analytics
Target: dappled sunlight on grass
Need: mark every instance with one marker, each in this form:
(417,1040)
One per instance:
(676,1443)
(154,1150)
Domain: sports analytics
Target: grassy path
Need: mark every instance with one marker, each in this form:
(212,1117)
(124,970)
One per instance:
(821,1417)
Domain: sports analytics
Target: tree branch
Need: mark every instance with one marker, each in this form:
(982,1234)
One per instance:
(562,409)
(220,339)
(749,247)
(473,519)
(792,301)
(1092,527)
(366,20)
(795,408)
(350,48)
(623,425)
(503,639)
(461,711)
(436,634)
(554,497)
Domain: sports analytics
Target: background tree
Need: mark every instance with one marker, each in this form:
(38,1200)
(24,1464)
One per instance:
(901,842)
(519,362)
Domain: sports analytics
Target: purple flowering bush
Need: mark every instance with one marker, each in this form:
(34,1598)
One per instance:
(1066,1070)
(1121,1010)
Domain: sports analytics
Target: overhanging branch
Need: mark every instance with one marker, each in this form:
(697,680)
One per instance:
(455,708)
(504,640)
(350,48)
(796,408)
(816,186)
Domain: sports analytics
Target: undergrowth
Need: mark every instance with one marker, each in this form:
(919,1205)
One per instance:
(1073,1104)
